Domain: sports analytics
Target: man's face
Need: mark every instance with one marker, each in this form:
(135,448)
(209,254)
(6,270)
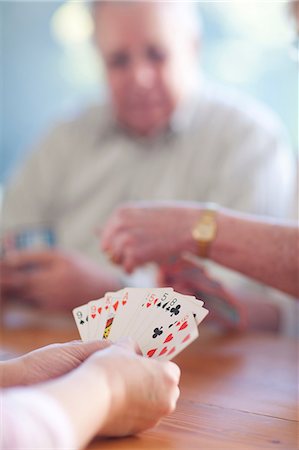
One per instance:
(149,63)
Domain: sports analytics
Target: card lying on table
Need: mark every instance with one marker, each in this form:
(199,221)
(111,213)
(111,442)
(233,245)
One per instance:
(161,321)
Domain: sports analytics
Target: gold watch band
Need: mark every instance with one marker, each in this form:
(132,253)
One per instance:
(205,231)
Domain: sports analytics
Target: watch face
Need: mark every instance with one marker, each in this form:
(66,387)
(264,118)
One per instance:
(203,233)
(206,232)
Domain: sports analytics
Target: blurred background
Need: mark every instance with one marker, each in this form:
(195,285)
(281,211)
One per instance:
(49,68)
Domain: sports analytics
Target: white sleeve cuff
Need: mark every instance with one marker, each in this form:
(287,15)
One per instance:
(34,420)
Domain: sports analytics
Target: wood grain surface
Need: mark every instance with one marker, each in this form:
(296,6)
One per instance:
(238,391)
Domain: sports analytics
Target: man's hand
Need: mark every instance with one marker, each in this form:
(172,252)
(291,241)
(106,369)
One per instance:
(53,279)
(47,362)
(149,232)
(191,278)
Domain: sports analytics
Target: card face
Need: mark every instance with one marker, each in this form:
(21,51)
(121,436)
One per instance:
(161,321)
(103,322)
(116,303)
(186,333)
(164,332)
(128,304)
(156,335)
(81,318)
(96,317)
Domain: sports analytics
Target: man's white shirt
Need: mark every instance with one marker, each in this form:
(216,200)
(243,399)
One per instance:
(219,148)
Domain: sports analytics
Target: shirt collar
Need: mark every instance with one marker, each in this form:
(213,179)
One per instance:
(180,121)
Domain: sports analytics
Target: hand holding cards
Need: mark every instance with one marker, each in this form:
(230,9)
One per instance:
(38,237)
(161,321)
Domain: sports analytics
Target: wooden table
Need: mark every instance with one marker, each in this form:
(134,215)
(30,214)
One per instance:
(238,391)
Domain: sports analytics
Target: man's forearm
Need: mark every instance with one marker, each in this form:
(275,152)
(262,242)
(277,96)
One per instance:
(261,249)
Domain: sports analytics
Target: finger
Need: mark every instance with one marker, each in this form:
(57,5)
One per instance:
(129,344)
(117,223)
(174,370)
(110,231)
(123,243)
(137,256)
(175,398)
(110,256)
(105,237)
(19,260)
(12,280)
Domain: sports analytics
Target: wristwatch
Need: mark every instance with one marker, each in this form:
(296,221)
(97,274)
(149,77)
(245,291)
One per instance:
(205,230)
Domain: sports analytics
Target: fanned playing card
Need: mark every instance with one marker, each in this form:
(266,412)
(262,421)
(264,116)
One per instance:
(161,321)
(81,318)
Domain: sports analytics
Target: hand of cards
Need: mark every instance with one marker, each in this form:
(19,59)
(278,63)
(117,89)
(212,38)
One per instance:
(161,321)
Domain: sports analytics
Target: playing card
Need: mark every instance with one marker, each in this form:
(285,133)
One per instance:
(104,322)
(97,314)
(161,321)
(116,303)
(81,318)
(129,303)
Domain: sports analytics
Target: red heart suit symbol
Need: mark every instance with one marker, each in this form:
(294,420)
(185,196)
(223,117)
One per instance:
(150,353)
(171,351)
(169,338)
(186,338)
(164,350)
(115,306)
(93,316)
(184,325)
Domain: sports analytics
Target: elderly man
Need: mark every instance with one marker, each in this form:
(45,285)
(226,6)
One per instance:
(165,134)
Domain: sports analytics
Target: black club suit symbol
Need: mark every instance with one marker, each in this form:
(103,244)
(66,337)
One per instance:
(175,310)
(157,332)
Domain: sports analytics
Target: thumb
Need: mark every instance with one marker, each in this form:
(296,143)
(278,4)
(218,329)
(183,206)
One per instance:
(83,350)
